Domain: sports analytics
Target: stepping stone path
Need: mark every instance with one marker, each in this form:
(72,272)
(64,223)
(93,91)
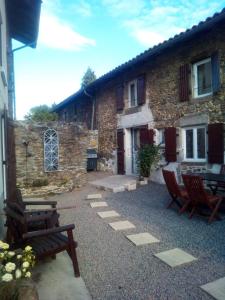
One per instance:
(108,214)
(216,288)
(94,196)
(98,204)
(142,238)
(121,225)
(175,257)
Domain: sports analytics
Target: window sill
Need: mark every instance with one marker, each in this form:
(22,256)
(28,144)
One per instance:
(194,162)
(132,110)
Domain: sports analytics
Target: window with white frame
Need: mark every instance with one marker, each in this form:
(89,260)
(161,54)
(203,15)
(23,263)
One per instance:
(161,136)
(195,143)
(202,78)
(51,150)
(132,92)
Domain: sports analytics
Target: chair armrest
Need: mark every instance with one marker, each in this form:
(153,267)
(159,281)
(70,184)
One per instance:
(48,231)
(52,203)
(29,211)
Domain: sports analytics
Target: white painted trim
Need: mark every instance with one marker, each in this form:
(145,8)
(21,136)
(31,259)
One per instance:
(195,159)
(195,78)
(135,92)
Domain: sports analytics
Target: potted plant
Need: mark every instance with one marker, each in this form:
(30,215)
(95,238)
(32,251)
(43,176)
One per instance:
(15,268)
(148,156)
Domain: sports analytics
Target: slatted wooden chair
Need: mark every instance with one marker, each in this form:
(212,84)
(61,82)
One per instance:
(35,218)
(218,186)
(45,242)
(178,194)
(198,196)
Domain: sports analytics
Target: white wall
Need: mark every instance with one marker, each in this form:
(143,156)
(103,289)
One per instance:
(3,102)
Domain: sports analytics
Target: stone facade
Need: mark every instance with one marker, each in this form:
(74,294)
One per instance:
(73,141)
(162,107)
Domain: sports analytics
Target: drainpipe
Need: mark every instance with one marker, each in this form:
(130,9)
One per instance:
(93,108)
(12,77)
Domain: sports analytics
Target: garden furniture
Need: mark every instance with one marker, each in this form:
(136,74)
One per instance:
(198,196)
(176,192)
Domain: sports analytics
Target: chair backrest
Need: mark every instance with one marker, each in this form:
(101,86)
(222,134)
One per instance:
(195,188)
(222,169)
(171,183)
(19,199)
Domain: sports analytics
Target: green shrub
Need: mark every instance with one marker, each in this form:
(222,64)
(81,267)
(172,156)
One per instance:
(147,157)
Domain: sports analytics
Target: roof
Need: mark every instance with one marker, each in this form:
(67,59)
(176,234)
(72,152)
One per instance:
(148,54)
(23,18)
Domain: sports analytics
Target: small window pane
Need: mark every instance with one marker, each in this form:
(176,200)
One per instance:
(189,143)
(51,150)
(204,76)
(132,95)
(201,142)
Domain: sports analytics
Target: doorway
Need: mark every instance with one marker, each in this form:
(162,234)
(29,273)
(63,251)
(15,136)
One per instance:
(135,144)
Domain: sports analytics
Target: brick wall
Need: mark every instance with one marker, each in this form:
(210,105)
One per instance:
(73,141)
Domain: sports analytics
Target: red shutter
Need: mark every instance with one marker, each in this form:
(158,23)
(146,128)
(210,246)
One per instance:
(184,82)
(119,98)
(170,144)
(120,152)
(141,90)
(216,143)
(146,136)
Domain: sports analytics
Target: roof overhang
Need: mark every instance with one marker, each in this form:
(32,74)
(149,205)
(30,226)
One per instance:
(23,20)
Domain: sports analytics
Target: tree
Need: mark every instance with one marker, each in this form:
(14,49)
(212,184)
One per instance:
(89,76)
(41,113)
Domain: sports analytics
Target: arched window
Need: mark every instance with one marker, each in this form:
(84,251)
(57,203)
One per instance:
(51,150)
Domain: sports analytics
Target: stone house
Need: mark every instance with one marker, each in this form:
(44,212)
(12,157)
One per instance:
(172,94)
(19,20)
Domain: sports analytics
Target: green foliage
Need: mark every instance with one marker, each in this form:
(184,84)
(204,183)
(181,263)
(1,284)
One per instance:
(89,77)
(40,182)
(41,113)
(148,156)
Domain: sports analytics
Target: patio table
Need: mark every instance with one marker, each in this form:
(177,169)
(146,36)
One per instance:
(212,177)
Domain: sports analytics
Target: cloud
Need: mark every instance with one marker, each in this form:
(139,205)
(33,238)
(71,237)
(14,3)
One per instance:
(83,8)
(151,22)
(54,33)
(127,7)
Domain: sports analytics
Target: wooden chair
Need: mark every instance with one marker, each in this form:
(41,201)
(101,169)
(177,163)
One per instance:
(198,196)
(175,191)
(45,242)
(36,218)
(218,186)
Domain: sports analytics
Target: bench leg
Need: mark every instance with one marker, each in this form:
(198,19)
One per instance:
(73,255)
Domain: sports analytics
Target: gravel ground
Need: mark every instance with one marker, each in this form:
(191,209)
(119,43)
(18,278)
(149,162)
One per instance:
(113,268)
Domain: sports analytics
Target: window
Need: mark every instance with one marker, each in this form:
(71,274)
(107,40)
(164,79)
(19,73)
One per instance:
(133,93)
(202,72)
(195,144)
(51,150)
(162,136)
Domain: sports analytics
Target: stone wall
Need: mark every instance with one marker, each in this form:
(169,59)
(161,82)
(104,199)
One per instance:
(107,125)
(73,141)
(162,92)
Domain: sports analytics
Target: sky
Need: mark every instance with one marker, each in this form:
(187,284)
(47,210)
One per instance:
(101,34)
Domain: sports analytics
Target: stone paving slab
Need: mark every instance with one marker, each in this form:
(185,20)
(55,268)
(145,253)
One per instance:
(216,288)
(115,183)
(98,204)
(94,196)
(108,214)
(121,225)
(142,238)
(175,257)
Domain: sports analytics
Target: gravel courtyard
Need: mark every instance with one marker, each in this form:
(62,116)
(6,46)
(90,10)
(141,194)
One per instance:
(114,268)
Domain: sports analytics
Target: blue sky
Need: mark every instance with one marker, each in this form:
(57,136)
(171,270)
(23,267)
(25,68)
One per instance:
(101,34)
